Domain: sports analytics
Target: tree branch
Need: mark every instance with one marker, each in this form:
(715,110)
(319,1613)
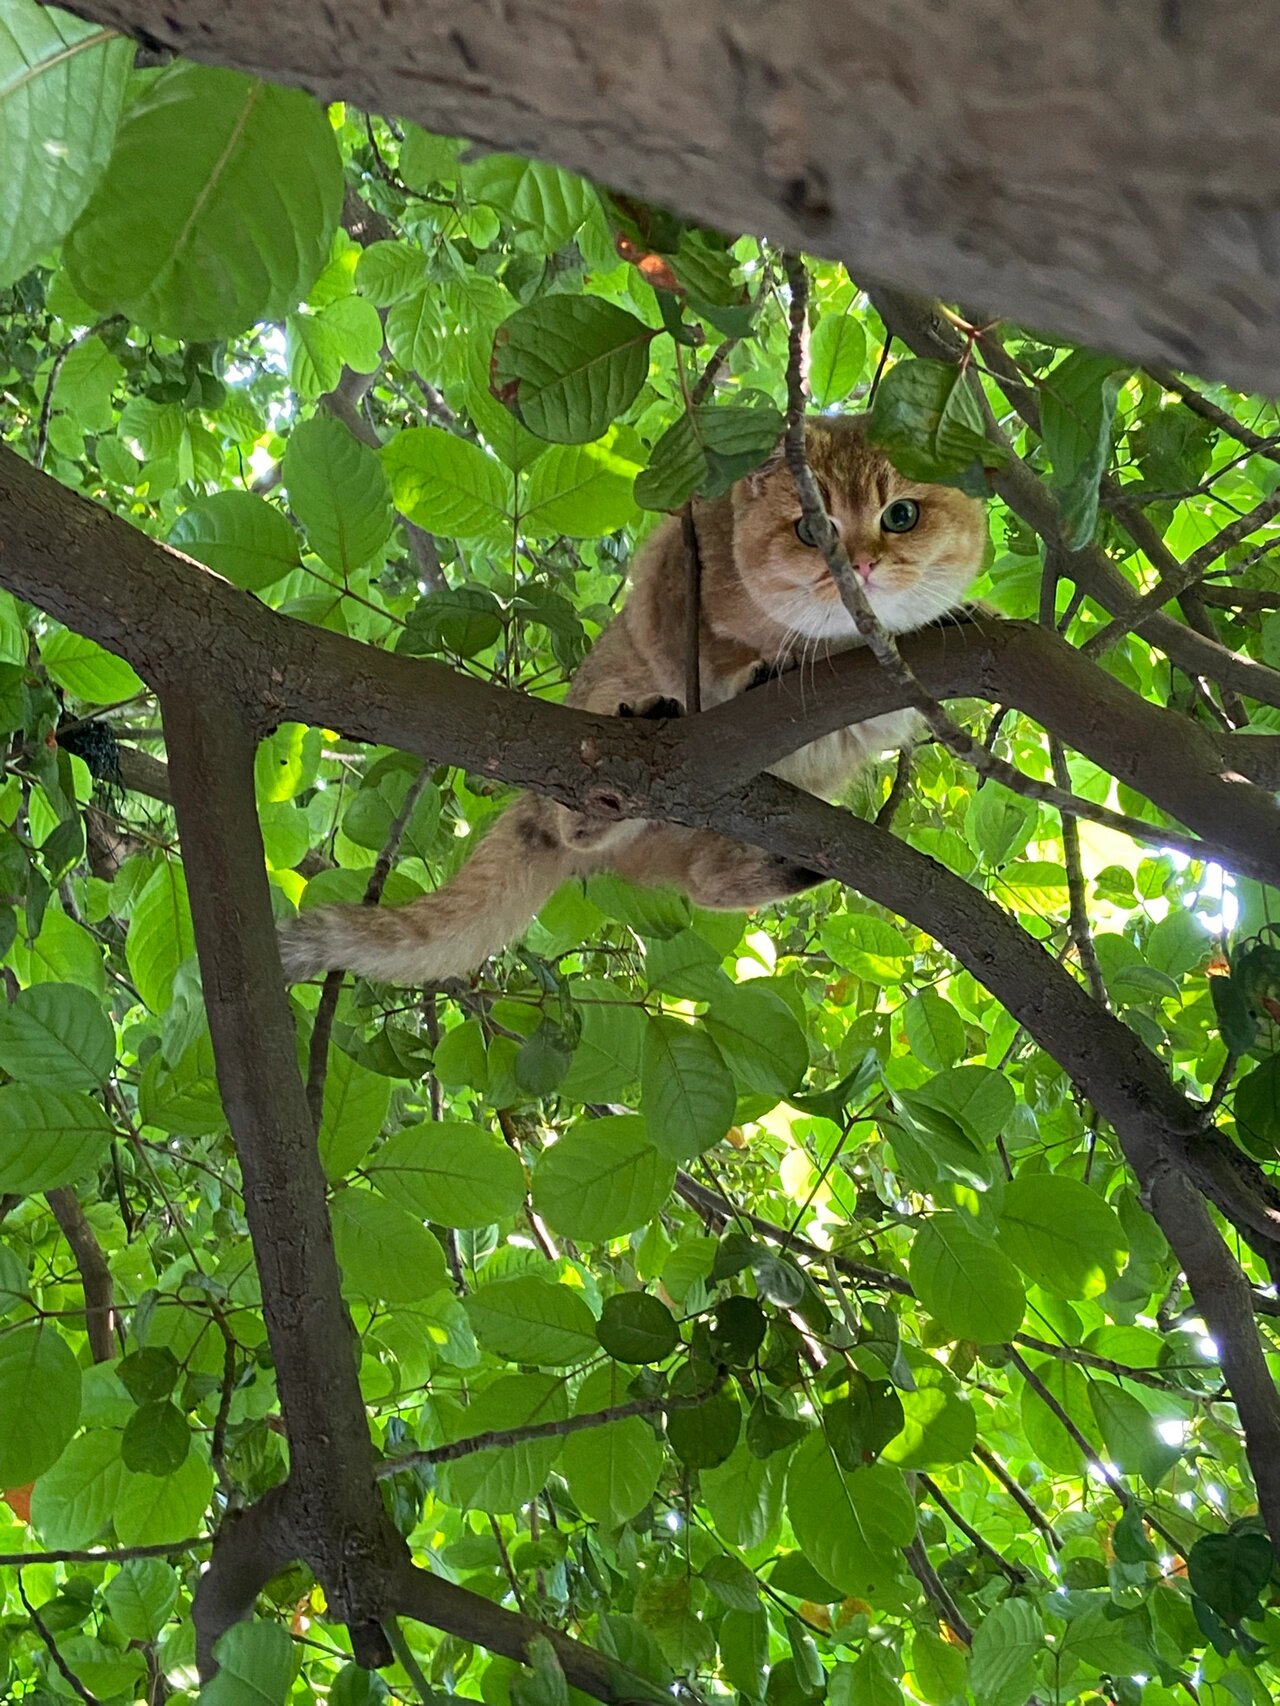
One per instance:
(559,1428)
(86,567)
(95,1275)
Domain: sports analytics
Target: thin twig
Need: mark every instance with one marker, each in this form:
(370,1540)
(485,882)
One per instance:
(898,790)
(1015,1572)
(327,1007)
(1025,1503)
(1210,411)
(1078,910)
(60,1664)
(936,1593)
(1172,585)
(102,1555)
(559,1428)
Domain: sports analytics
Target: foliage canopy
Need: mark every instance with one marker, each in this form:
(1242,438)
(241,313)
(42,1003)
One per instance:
(918,1405)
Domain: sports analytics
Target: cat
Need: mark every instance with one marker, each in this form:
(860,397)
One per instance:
(767,603)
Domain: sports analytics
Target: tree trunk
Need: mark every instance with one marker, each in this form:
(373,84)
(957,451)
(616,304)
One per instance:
(1108,172)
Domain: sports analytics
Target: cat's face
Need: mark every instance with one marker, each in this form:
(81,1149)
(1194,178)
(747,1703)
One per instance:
(915,547)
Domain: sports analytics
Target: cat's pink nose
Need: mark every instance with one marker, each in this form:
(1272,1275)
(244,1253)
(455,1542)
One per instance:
(865,566)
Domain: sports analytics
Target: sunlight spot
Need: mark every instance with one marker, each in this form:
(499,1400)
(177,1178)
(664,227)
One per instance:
(674,1521)
(1207,1347)
(1173,1432)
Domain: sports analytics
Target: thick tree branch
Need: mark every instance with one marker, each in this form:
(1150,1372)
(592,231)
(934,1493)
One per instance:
(1003,154)
(155,607)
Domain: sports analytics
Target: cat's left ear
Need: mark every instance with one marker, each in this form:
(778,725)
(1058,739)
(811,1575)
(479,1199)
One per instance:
(754,483)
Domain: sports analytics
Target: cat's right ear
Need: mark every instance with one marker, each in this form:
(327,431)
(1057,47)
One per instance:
(754,483)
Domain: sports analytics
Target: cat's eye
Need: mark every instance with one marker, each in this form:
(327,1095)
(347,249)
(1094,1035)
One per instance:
(901,516)
(805,534)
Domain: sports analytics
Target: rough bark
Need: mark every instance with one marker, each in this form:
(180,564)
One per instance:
(1107,172)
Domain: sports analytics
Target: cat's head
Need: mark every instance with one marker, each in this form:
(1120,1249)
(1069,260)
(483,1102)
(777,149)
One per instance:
(916,547)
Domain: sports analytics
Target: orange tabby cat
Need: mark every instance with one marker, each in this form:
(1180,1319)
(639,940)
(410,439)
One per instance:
(767,603)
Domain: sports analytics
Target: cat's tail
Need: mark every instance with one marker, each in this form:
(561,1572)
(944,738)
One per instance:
(516,868)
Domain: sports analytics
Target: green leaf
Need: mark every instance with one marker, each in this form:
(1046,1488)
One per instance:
(236,226)
(928,422)
(255,1667)
(978,1099)
(686,1094)
(313,354)
(1129,1434)
(706,450)
(39,1402)
(1002,1669)
(86,384)
(532,1321)
(455,1174)
(48,1138)
(850,1525)
(704,1436)
(447,485)
(635,1327)
(1046,1436)
(611,1471)
(938,1428)
(383,1251)
(338,491)
(389,271)
(414,333)
(352,1114)
(744,1496)
(543,199)
(426,159)
(603,1178)
(867,946)
(937,1668)
(84,669)
(1229,1571)
(240,536)
(160,935)
(141,1598)
(567,366)
(758,1036)
(505,1478)
(837,353)
(648,911)
(969,1287)
(1077,410)
(465,620)
(74,1501)
(1061,1234)
(579,491)
(1256,1105)
(935,1031)
(998,822)
(62,85)
(744,1651)
(56,1036)
(156,1439)
(606,1062)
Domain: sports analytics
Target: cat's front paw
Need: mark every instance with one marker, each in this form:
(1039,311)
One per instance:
(656,706)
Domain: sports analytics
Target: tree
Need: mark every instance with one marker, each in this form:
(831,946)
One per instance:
(870,1299)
